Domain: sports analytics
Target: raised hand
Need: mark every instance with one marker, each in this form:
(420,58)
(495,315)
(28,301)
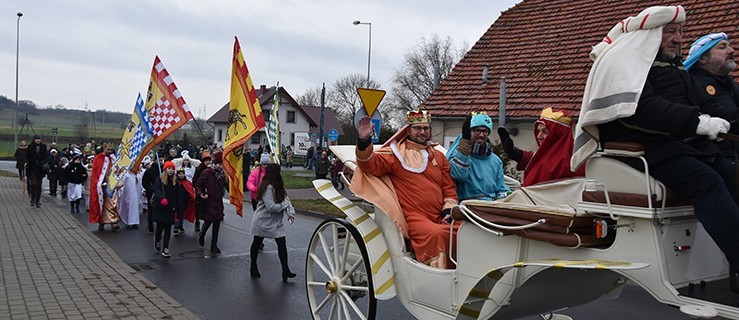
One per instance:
(365,129)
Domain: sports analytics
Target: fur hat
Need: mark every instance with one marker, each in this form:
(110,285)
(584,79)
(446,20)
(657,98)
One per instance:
(218,157)
(265,158)
(168,164)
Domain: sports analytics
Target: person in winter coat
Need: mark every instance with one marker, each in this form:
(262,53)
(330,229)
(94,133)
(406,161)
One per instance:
(36,168)
(477,171)
(148,180)
(76,175)
(204,164)
(336,167)
(322,165)
(255,179)
(267,221)
(52,173)
(185,201)
(164,203)
(210,188)
(63,164)
(20,159)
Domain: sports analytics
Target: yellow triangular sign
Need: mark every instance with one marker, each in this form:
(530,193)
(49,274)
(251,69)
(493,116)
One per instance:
(371,98)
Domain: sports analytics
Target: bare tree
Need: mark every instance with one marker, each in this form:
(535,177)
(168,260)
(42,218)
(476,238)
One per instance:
(423,67)
(311,97)
(345,101)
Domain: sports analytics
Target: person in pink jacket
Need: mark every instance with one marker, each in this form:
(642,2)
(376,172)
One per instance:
(255,179)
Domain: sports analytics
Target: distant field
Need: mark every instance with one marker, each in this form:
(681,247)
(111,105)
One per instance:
(65,122)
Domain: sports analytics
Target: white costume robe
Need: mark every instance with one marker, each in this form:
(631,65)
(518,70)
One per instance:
(129,201)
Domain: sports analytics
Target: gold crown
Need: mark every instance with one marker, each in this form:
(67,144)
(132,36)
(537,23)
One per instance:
(562,117)
(417,116)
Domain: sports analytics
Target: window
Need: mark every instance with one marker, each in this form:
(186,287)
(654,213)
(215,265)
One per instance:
(266,114)
(292,138)
(255,138)
(220,135)
(291,117)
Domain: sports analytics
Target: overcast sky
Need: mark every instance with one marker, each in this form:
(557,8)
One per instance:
(100,53)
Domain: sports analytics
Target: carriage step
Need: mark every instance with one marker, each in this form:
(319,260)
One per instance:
(699,312)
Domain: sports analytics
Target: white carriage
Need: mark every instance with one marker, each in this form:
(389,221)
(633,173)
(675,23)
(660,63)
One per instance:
(621,226)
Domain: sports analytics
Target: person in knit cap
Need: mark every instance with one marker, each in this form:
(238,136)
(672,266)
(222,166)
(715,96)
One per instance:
(655,104)
(255,178)
(553,133)
(710,62)
(477,171)
(424,189)
(185,201)
(188,164)
(209,188)
(164,202)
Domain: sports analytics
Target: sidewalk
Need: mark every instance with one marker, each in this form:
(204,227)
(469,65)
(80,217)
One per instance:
(53,268)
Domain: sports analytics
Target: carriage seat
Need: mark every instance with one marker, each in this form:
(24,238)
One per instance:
(625,185)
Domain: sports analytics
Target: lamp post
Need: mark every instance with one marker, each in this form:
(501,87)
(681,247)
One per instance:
(369,51)
(15,114)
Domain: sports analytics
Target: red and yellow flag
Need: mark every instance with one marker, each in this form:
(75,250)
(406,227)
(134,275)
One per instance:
(244,119)
(165,106)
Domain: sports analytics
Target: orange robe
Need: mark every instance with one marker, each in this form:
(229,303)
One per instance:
(424,188)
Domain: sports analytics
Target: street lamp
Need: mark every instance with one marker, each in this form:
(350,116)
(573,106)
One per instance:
(369,51)
(15,114)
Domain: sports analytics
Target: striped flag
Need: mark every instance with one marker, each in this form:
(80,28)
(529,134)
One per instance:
(244,119)
(165,107)
(135,137)
(273,129)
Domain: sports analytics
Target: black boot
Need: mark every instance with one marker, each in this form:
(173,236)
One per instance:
(254,251)
(71,207)
(77,206)
(282,253)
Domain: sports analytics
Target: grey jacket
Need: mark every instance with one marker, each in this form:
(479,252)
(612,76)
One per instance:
(268,218)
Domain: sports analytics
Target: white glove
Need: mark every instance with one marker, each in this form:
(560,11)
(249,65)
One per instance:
(711,126)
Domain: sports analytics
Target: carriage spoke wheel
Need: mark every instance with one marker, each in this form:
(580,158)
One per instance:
(338,274)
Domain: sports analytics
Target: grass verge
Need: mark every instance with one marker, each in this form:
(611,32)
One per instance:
(292,181)
(318,205)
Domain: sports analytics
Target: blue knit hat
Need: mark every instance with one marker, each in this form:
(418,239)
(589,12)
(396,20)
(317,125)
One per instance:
(481,120)
(701,46)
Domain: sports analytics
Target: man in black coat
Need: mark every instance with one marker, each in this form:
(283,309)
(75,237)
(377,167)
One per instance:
(148,181)
(678,146)
(710,62)
(36,168)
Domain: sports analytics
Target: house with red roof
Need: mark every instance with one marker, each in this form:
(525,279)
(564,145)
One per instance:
(540,49)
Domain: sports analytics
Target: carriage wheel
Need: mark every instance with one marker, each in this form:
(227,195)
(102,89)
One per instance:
(338,274)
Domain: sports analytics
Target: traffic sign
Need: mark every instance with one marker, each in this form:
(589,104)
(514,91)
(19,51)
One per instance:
(376,126)
(333,134)
(371,98)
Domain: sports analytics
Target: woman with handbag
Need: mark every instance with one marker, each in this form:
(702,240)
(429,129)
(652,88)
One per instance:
(267,221)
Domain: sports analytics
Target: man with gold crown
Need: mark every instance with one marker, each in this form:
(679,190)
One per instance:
(102,208)
(553,133)
(417,176)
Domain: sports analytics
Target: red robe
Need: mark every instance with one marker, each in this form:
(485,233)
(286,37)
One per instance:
(552,160)
(189,214)
(102,208)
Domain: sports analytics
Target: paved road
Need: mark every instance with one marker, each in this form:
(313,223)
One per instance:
(218,287)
